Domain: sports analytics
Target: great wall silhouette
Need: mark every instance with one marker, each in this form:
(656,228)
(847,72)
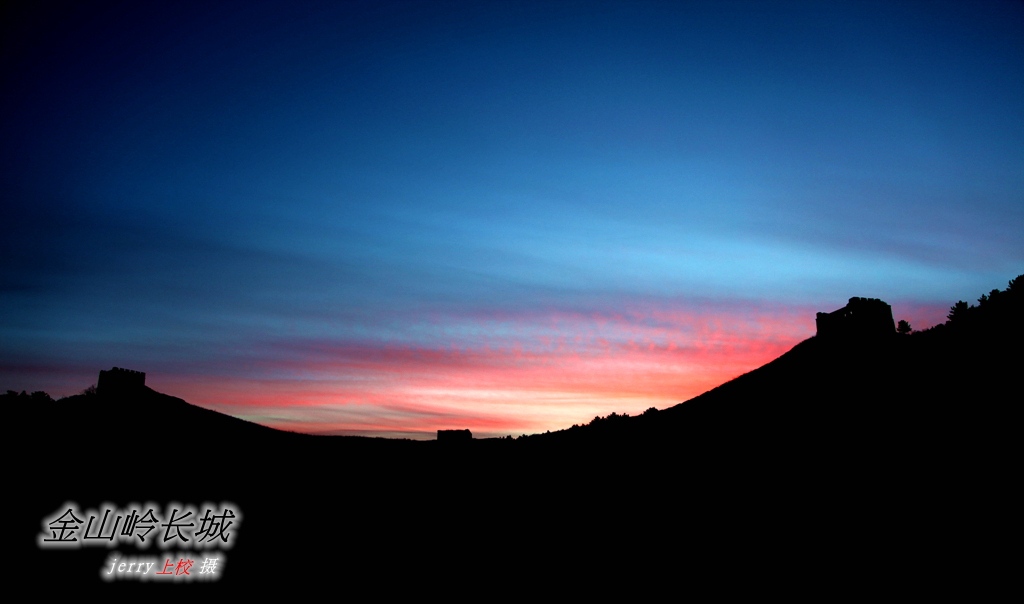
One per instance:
(852,437)
(860,318)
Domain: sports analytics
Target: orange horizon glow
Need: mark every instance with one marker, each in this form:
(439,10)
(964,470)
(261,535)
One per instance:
(539,373)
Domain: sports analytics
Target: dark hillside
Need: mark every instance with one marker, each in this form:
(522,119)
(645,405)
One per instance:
(897,445)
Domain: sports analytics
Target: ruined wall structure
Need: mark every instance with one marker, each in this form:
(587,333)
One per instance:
(861,318)
(119,381)
(454,435)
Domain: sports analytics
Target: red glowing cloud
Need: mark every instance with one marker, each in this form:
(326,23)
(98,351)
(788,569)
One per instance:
(502,375)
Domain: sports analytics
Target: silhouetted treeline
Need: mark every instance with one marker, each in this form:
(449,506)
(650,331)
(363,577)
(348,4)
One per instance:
(36,398)
(997,314)
(613,418)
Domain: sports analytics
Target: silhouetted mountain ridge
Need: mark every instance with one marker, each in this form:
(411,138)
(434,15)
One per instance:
(879,385)
(896,446)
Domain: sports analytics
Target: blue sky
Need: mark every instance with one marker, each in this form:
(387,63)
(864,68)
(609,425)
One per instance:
(217,195)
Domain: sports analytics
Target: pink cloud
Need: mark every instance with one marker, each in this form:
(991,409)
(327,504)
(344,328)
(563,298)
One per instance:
(506,374)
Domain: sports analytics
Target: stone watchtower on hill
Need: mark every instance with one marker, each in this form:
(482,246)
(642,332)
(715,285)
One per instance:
(861,318)
(454,435)
(118,382)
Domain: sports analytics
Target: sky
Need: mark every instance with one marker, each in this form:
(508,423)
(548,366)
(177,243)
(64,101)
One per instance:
(389,218)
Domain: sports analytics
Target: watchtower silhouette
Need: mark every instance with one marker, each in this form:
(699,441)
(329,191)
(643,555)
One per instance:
(119,382)
(861,318)
(454,435)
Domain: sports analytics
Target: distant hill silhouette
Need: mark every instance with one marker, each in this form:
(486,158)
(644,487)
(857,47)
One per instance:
(891,444)
(833,391)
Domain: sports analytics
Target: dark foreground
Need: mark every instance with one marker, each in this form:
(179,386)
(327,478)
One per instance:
(874,466)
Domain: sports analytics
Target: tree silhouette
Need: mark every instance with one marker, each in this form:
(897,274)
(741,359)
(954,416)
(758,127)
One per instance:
(957,312)
(903,327)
